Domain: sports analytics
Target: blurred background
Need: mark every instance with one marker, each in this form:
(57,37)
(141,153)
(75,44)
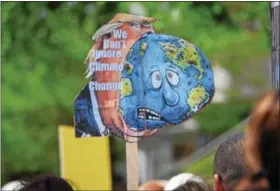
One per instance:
(44,45)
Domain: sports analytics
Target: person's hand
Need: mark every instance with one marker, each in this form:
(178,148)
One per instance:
(113,119)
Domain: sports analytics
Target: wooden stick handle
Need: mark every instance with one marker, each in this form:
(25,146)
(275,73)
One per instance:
(132,172)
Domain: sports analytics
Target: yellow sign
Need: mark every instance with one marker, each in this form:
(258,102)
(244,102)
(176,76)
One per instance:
(85,162)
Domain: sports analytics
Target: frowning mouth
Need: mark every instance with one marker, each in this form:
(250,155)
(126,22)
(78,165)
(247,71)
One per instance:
(148,114)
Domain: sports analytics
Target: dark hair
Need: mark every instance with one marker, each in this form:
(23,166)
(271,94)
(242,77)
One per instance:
(193,186)
(270,149)
(47,183)
(229,161)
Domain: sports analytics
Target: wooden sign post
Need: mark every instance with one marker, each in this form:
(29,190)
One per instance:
(132,172)
(87,170)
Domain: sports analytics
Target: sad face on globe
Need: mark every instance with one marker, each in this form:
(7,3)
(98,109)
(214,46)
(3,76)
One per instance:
(165,80)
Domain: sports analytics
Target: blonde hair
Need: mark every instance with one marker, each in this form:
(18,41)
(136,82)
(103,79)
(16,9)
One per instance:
(107,29)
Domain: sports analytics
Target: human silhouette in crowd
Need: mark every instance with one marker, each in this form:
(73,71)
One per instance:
(248,162)
(153,185)
(13,185)
(180,182)
(186,182)
(228,165)
(262,146)
(47,183)
(193,186)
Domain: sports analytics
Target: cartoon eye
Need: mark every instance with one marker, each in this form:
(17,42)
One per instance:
(156,79)
(172,77)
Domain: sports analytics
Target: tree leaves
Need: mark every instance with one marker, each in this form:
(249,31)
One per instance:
(44,45)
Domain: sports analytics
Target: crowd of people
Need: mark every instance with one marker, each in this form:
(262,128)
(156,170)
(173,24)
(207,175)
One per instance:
(228,168)
(246,161)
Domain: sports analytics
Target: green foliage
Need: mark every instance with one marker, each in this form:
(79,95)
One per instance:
(203,168)
(44,45)
(218,118)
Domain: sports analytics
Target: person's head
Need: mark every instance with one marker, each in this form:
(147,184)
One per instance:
(186,182)
(229,165)
(180,182)
(47,183)
(13,185)
(153,185)
(193,186)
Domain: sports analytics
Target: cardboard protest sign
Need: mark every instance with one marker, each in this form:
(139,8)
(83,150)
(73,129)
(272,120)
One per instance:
(85,169)
(141,81)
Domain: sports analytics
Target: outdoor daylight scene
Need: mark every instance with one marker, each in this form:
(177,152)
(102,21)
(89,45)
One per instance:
(119,95)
